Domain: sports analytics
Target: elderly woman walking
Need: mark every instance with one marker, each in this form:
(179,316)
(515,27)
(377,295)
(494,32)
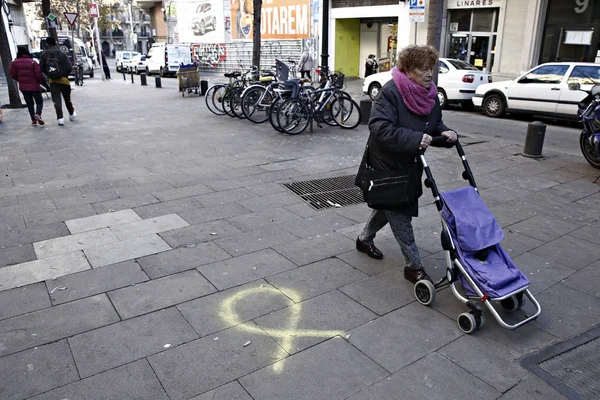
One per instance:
(405,117)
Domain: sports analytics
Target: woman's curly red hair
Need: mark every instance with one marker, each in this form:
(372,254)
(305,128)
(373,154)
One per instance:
(413,57)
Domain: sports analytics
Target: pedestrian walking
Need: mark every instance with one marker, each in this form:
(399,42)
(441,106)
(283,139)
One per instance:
(104,65)
(25,70)
(405,116)
(57,66)
(371,65)
(306,64)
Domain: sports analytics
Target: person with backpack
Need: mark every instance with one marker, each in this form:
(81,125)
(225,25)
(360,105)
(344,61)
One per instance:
(57,67)
(28,73)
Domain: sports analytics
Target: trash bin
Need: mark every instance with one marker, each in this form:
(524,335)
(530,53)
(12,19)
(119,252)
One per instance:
(534,141)
(157,82)
(143,79)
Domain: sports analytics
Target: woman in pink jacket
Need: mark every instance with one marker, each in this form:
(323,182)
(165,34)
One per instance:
(28,73)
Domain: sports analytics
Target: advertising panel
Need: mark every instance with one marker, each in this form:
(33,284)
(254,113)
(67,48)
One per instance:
(201,21)
(281,19)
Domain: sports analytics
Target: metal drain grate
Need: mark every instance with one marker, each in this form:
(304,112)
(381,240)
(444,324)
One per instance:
(327,193)
(571,367)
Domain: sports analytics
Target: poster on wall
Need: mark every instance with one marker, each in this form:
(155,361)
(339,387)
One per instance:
(280,19)
(201,21)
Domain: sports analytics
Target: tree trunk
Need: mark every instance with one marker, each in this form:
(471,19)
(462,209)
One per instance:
(45,12)
(13,91)
(256,33)
(434,27)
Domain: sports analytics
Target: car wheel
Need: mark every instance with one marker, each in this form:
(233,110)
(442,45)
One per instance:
(118,69)
(493,106)
(374,89)
(442,97)
(202,28)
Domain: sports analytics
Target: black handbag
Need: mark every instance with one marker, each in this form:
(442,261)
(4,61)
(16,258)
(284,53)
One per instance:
(389,190)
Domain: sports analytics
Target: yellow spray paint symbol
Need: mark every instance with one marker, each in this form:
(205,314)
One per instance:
(230,316)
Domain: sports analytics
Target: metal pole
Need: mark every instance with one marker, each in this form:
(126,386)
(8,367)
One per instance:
(415,33)
(98,47)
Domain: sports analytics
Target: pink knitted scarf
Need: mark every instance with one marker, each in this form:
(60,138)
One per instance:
(418,99)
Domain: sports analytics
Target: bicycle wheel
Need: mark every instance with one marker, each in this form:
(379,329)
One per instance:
(345,112)
(235,103)
(227,96)
(256,101)
(212,96)
(293,116)
(274,112)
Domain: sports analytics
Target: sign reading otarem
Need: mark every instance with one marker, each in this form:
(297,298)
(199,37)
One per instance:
(280,19)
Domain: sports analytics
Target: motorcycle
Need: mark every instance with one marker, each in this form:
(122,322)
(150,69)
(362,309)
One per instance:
(589,114)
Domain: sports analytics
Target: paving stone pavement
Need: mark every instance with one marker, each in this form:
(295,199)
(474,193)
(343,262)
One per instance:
(148,251)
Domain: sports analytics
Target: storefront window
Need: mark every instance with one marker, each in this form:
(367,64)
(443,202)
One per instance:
(460,20)
(483,20)
(472,36)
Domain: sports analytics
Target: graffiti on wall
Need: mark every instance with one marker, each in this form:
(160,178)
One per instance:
(209,54)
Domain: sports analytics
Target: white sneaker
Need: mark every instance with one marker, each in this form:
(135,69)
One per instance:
(73,116)
(61,121)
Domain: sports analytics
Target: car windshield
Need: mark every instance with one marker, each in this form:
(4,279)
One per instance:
(585,75)
(458,64)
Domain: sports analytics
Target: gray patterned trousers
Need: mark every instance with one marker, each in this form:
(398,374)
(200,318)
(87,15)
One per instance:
(401,228)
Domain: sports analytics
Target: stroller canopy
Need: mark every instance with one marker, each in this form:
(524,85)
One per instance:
(474,224)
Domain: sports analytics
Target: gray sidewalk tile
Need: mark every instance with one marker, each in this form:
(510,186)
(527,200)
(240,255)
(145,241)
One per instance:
(515,244)
(222,360)
(532,388)
(94,281)
(230,391)
(85,198)
(302,210)
(199,233)
(588,232)
(270,217)
(315,279)
(72,243)
(159,293)
(567,311)
(213,213)
(59,215)
(168,207)
(121,343)
(124,203)
(12,222)
(570,251)
(16,254)
(131,381)
(392,258)
(305,324)
(413,331)
(334,370)
(40,270)
(544,228)
(586,280)
(270,201)
(101,221)
(263,189)
(325,222)
(36,371)
(125,250)
(258,239)
(225,196)
(246,268)
(306,251)
(383,292)
(542,272)
(48,325)
(148,226)
(23,300)
(246,182)
(106,184)
(28,208)
(182,259)
(428,379)
(222,310)
(150,187)
(182,192)
(21,235)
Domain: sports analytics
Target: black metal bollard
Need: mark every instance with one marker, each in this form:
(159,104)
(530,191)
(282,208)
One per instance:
(365,110)
(124,76)
(534,141)
(157,82)
(143,79)
(203,87)
(131,73)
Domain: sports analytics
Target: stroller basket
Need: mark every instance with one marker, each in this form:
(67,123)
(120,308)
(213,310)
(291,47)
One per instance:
(475,260)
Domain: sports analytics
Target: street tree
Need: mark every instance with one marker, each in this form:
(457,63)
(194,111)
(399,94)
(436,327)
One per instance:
(434,27)
(256,33)
(46,10)
(13,91)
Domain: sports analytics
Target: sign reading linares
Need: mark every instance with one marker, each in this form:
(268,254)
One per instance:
(473,3)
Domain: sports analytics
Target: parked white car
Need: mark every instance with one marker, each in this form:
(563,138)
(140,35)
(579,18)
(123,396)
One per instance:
(457,82)
(164,59)
(138,63)
(123,60)
(543,90)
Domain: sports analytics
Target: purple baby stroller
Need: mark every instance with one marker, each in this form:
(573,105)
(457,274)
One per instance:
(474,258)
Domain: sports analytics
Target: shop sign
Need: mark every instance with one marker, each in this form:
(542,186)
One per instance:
(280,19)
(453,4)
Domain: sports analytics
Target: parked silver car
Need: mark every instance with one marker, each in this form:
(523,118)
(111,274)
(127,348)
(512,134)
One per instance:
(204,17)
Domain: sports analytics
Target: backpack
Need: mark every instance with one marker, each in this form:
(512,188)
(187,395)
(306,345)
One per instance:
(53,67)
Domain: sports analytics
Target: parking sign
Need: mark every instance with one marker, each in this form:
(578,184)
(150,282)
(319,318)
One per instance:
(416,11)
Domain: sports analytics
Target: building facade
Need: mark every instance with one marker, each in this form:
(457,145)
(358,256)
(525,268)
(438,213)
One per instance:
(15,24)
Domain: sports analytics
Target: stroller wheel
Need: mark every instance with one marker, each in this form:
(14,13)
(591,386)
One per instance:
(466,322)
(424,292)
(479,320)
(512,304)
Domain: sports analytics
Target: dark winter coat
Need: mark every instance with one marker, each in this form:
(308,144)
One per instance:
(65,62)
(396,134)
(28,73)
